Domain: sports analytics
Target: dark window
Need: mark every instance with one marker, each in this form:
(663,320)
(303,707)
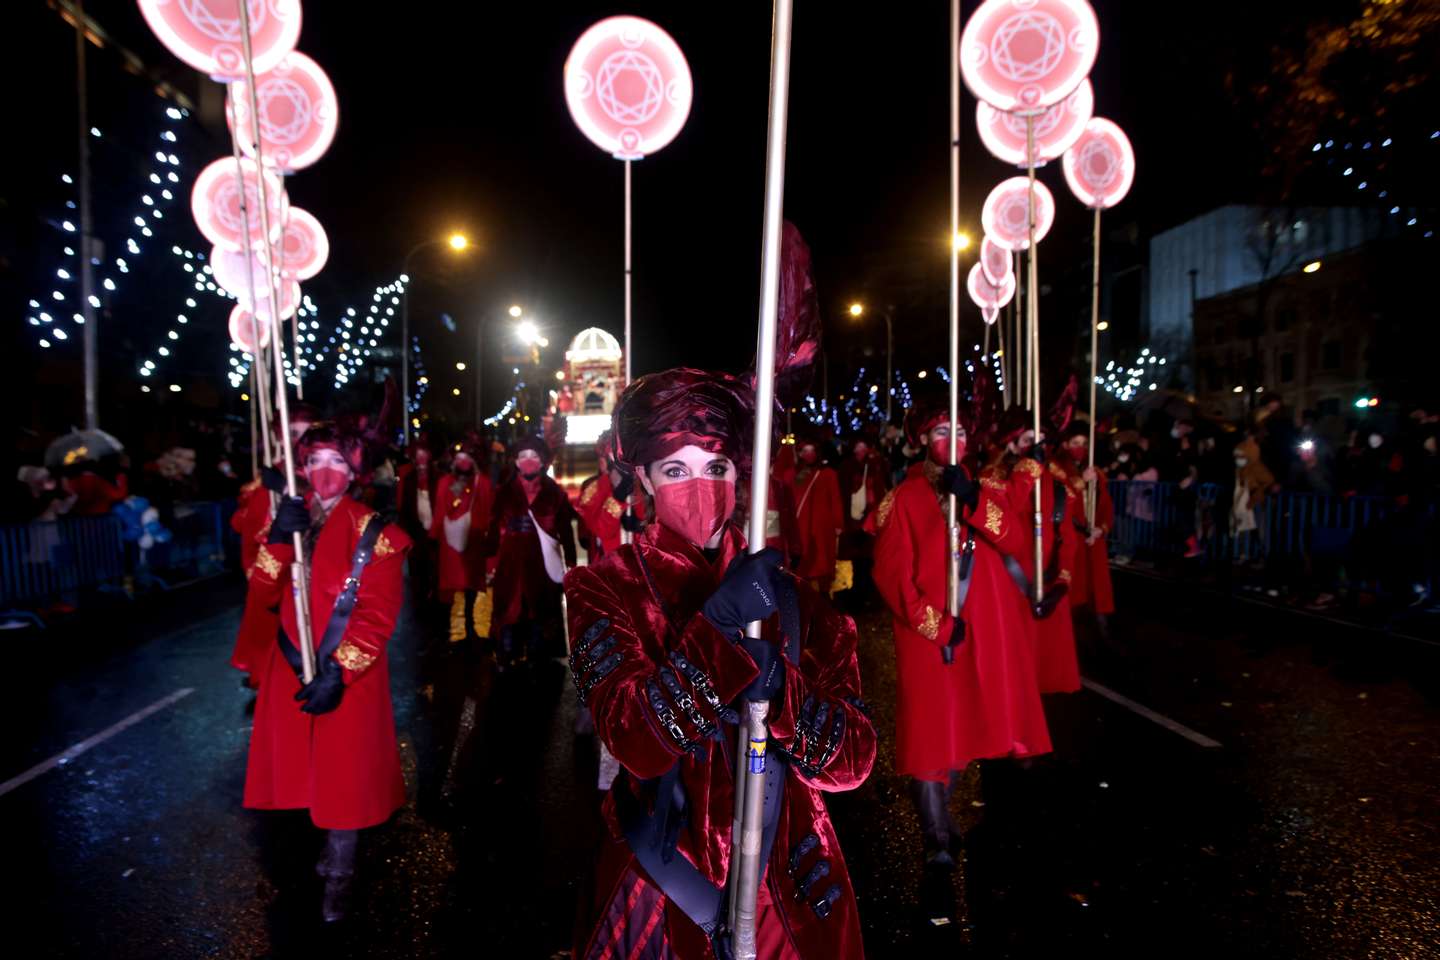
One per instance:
(1287,367)
(1330,355)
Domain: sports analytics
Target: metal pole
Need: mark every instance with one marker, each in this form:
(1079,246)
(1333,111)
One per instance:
(1094,360)
(889,362)
(294,317)
(257,355)
(952,506)
(1004,362)
(479,371)
(1034,356)
(298,573)
(1022,335)
(753,732)
(405,352)
(254,437)
(628,219)
(90,338)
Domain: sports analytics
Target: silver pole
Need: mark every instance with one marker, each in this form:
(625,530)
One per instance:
(90,338)
(405,352)
(1094,359)
(628,220)
(952,508)
(299,576)
(889,361)
(1034,356)
(754,734)
(257,356)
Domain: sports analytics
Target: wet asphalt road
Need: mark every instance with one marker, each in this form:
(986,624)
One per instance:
(1313,831)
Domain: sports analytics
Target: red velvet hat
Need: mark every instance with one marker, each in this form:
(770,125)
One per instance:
(662,412)
(328,435)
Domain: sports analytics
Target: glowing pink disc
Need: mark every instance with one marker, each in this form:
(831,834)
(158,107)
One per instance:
(1100,167)
(989,315)
(215,204)
(289,302)
(1022,56)
(230,271)
(995,261)
(986,294)
(1056,128)
(206,33)
(305,248)
(628,87)
(298,113)
(240,330)
(1006,215)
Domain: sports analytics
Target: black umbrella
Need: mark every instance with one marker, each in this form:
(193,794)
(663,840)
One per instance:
(79,446)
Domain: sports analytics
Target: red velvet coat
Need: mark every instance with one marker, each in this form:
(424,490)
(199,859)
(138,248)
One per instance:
(1090,584)
(343,766)
(630,911)
(985,704)
(523,590)
(455,497)
(1057,668)
(782,529)
(600,514)
(870,475)
(258,622)
(409,481)
(820,520)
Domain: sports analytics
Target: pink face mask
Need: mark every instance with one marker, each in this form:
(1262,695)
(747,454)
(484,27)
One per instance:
(695,508)
(328,482)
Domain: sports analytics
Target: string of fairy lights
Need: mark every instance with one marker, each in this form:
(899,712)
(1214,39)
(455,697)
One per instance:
(1362,162)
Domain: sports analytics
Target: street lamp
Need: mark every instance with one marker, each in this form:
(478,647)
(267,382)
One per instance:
(528,333)
(458,243)
(515,311)
(962,241)
(857,310)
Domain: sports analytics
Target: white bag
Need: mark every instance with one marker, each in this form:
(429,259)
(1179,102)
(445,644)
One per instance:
(858,498)
(457,532)
(551,551)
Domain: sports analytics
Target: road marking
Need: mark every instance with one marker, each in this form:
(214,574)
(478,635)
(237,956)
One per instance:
(60,759)
(1174,726)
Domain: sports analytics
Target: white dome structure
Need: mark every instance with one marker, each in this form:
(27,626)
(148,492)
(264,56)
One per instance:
(593,345)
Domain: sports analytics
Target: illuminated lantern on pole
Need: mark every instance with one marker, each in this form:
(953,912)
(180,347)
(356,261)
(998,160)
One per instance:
(206,34)
(241,325)
(215,204)
(995,260)
(299,113)
(289,302)
(628,89)
(986,294)
(990,314)
(1055,129)
(304,249)
(1099,167)
(1006,213)
(1021,56)
(233,273)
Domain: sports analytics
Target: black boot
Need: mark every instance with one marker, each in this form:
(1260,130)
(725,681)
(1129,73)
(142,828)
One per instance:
(929,798)
(337,866)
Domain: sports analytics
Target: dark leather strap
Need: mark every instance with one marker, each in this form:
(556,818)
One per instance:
(344,602)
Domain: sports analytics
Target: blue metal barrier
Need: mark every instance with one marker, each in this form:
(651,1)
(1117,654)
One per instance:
(1156,520)
(62,562)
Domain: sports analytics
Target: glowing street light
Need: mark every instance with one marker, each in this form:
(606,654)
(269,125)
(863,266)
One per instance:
(1312,266)
(459,365)
(962,241)
(515,311)
(528,333)
(458,241)
(856,309)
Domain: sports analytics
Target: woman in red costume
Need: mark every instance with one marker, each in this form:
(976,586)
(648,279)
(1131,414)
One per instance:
(864,481)
(532,537)
(460,525)
(659,656)
(1090,587)
(1016,469)
(602,504)
(329,746)
(251,521)
(416,506)
(816,490)
(965,688)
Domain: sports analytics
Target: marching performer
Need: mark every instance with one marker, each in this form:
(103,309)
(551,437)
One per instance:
(965,688)
(602,504)
(415,504)
(816,490)
(532,537)
(1090,587)
(251,520)
(658,655)
(460,525)
(864,481)
(329,746)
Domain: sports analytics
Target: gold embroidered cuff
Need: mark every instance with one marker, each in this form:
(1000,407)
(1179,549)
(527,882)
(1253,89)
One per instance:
(352,658)
(614,507)
(882,512)
(930,626)
(267,564)
(993,515)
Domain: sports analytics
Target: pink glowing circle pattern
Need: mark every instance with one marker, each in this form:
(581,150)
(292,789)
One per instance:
(989,315)
(289,303)
(628,87)
(240,330)
(299,113)
(215,204)
(305,247)
(1100,166)
(1055,129)
(987,294)
(995,261)
(1005,215)
(206,34)
(1022,56)
(231,271)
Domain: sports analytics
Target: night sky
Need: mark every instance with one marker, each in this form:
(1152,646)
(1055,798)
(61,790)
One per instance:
(452,117)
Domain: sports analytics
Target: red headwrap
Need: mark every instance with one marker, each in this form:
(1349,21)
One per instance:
(662,412)
(332,436)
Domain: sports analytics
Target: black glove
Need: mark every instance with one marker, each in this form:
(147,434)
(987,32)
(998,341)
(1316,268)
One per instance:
(628,521)
(954,480)
(770,681)
(749,592)
(291,517)
(272,479)
(323,694)
(957,637)
(622,490)
(1038,452)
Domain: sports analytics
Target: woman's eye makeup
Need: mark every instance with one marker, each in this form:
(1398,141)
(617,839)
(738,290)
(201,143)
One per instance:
(717,470)
(674,473)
